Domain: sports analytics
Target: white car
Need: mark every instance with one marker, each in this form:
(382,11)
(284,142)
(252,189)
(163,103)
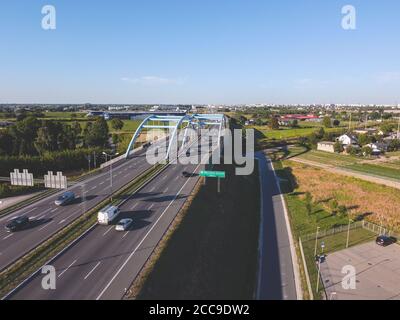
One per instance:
(123,224)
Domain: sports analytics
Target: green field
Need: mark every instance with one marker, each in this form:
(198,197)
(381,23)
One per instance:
(213,252)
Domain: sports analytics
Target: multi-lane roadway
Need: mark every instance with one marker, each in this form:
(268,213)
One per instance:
(47,218)
(104,263)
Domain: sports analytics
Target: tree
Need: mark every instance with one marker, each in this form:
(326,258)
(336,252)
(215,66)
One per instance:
(295,123)
(117,124)
(308,201)
(24,134)
(386,128)
(364,139)
(351,150)
(274,124)
(96,133)
(394,145)
(338,147)
(6,143)
(336,123)
(342,211)
(327,122)
(333,205)
(366,151)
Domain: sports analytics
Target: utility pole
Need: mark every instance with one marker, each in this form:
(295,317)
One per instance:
(350,122)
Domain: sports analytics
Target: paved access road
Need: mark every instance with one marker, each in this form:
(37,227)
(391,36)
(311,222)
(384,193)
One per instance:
(104,263)
(47,218)
(276,274)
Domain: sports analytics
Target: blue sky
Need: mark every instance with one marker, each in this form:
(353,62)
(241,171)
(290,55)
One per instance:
(208,51)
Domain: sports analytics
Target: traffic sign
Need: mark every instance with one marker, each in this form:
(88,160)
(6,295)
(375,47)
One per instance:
(213,174)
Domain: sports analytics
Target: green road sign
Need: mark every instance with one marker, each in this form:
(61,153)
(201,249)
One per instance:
(213,174)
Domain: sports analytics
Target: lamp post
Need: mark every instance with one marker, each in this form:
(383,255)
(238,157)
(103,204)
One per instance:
(316,242)
(111,172)
(348,234)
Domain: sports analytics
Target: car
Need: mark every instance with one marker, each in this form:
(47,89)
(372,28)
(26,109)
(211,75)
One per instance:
(188,153)
(186,174)
(17,223)
(146,145)
(65,198)
(385,240)
(123,224)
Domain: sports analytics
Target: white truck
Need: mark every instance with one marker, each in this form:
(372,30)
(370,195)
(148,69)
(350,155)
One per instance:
(107,215)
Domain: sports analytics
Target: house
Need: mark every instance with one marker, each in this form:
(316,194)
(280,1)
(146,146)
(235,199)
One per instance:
(326,146)
(348,139)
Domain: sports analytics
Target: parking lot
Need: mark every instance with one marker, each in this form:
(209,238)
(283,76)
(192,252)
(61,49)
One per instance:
(377,272)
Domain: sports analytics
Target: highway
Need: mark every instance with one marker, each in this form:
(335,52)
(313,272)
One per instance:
(276,272)
(47,218)
(104,263)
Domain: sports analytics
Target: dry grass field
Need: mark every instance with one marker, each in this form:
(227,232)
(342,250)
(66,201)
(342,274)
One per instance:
(379,204)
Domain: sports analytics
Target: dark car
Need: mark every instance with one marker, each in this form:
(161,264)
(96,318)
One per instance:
(186,174)
(188,153)
(385,241)
(17,224)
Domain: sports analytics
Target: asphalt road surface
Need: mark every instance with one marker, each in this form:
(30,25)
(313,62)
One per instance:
(47,218)
(276,278)
(104,263)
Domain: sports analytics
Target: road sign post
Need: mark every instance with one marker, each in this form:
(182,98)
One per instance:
(214,174)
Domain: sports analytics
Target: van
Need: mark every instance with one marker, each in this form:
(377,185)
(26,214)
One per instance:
(107,215)
(65,198)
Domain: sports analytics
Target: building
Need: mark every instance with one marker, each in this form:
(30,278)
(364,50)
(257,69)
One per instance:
(326,146)
(132,115)
(347,139)
(366,131)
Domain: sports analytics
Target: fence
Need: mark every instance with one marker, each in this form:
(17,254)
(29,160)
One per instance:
(379,229)
(330,232)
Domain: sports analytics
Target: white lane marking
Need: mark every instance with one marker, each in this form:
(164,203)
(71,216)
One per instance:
(134,206)
(145,237)
(54,210)
(165,177)
(66,269)
(9,236)
(62,221)
(151,206)
(126,233)
(26,212)
(166,190)
(46,225)
(109,229)
(177,177)
(102,183)
(91,271)
(152,189)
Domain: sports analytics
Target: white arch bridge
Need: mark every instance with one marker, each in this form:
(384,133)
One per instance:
(174,123)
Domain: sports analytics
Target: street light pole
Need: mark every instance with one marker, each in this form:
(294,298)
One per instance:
(348,234)
(316,242)
(111,173)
